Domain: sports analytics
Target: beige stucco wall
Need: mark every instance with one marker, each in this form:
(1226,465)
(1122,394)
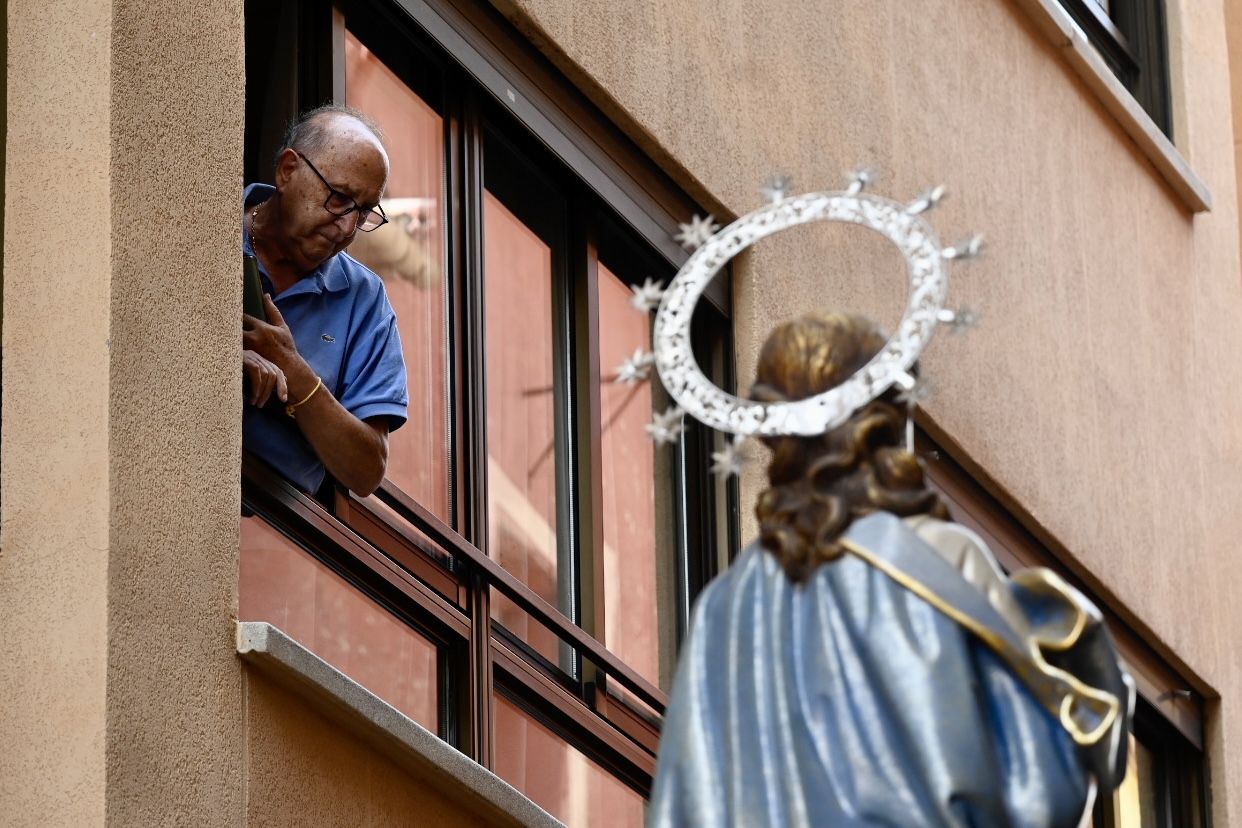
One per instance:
(120,695)
(175,724)
(302,767)
(54,446)
(1102,391)
(1233,24)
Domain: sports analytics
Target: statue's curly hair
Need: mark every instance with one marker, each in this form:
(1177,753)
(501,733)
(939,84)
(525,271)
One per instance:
(819,485)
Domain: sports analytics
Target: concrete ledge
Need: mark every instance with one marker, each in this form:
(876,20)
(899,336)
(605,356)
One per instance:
(1063,33)
(399,737)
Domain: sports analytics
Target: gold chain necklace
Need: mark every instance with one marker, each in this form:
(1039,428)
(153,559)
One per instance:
(254,215)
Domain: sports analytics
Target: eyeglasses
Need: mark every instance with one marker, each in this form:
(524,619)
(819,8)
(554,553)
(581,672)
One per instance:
(339,204)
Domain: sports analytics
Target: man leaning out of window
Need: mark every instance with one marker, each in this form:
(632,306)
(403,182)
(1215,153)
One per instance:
(324,373)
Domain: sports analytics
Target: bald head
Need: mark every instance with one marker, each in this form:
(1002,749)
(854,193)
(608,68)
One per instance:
(331,152)
(312,131)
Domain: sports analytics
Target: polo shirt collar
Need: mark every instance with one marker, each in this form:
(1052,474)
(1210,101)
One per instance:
(333,275)
(330,276)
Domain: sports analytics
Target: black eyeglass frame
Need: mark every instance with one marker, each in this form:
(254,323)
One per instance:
(363,212)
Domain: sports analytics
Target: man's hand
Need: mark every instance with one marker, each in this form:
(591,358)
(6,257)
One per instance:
(353,451)
(265,378)
(274,342)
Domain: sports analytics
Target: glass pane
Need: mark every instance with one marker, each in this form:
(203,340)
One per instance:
(1145,767)
(521,415)
(557,776)
(1135,801)
(280,583)
(631,574)
(408,253)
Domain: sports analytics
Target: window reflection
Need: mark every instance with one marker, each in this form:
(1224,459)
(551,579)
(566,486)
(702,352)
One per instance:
(281,583)
(408,253)
(521,416)
(631,628)
(1134,802)
(559,778)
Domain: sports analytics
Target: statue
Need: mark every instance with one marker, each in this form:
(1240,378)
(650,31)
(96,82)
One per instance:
(866,662)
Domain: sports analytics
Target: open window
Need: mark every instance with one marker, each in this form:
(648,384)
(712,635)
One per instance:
(532,556)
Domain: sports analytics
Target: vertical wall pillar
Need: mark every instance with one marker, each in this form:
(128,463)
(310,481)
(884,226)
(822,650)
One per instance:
(54,436)
(121,697)
(174,716)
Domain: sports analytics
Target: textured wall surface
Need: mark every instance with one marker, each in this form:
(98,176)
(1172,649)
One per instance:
(120,692)
(175,725)
(54,537)
(1102,391)
(1233,23)
(304,767)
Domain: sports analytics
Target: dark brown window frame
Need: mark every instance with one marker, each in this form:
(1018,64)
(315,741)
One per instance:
(1132,37)
(420,568)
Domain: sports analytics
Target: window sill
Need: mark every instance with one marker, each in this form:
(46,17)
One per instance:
(407,743)
(1061,31)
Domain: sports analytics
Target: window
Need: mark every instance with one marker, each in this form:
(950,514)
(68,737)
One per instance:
(528,565)
(1165,785)
(1166,781)
(1131,36)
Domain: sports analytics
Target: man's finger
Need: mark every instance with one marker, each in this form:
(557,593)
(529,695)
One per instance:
(256,379)
(249,322)
(273,313)
(282,386)
(269,382)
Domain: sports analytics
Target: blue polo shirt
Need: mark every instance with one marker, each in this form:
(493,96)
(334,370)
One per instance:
(346,330)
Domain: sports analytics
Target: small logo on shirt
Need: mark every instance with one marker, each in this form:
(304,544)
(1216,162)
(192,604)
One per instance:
(328,338)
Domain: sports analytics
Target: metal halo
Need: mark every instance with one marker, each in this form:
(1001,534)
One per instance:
(711,405)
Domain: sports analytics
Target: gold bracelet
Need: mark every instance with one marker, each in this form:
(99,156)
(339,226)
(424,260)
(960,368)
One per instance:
(292,408)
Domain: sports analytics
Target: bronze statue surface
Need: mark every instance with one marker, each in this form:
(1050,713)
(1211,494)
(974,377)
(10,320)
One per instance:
(820,485)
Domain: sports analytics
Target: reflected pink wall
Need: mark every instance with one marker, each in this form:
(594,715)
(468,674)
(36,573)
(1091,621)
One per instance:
(280,583)
(286,586)
(631,628)
(521,462)
(408,253)
(562,780)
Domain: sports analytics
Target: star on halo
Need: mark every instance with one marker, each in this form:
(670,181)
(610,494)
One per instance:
(968,249)
(926,200)
(646,296)
(775,188)
(962,320)
(694,234)
(915,394)
(635,368)
(667,426)
(730,460)
(860,180)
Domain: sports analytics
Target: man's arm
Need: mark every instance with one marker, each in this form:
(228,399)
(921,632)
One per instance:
(353,451)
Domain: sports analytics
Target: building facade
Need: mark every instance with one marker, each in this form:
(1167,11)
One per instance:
(490,638)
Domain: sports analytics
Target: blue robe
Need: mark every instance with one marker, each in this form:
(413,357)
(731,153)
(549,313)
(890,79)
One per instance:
(852,701)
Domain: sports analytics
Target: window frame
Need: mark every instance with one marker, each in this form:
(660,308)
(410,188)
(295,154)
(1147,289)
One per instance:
(423,569)
(1132,38)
